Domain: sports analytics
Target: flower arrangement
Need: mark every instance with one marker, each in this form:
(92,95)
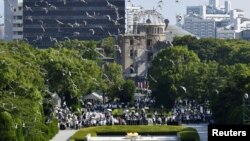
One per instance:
(132,135)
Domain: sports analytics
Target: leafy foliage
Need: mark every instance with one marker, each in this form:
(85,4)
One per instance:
(30,78)
(7,131)
(217,70)
(127,92)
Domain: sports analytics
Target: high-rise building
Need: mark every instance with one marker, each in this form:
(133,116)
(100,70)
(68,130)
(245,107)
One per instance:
(215,21)
(1,31)
(214,3)
(131,12)
(49,21)
(17,25)
(10,6)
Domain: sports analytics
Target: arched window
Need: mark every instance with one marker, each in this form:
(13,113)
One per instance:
(132,69)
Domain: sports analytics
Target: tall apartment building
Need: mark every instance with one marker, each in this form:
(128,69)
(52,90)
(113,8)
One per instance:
(1,31)
(50,21)
(13,19)
(215,21)
(18,22)
(199,27)
(131,12)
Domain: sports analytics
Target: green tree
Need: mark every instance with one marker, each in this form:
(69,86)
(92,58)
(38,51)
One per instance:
(167,72)
(127,92)
(113,79)
(227,105)
(85,49)
(70,76)
(108,45)
(7,127)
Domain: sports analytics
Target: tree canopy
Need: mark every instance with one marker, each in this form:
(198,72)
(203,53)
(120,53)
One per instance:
(30,77)
(204,70)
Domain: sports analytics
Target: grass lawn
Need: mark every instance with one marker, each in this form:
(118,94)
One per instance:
(123,130)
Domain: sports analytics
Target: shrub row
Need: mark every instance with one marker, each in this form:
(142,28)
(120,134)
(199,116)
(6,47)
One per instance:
(122,130)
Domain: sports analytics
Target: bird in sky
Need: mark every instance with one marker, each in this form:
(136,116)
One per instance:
(53,39)
(184,89)
(27,8)
(43,28)
(59,22)
(108,16)
(76,33)
(30,18)
(152,78)
(117,47)
(53,7)
(70,24)
(160,1)
(85,22)
(84,1)
(100,27)
(92,31)
(46,10)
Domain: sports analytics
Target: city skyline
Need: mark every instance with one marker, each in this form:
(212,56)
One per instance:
(170,8)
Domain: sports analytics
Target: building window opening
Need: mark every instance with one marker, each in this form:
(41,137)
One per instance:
(131,42)
(131,54)
(136,53)
(149,42)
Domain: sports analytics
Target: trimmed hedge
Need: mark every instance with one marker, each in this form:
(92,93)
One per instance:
(141,129)
(188,136)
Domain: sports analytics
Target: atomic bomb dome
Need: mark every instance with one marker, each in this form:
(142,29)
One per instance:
(149,17)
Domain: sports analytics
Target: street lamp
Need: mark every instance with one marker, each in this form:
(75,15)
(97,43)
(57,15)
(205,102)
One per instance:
(245,108)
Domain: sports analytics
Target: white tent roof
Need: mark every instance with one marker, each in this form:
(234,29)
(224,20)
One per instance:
(94,96)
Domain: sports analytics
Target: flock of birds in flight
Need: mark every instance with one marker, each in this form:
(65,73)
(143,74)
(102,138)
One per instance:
(47,7)
(75,25)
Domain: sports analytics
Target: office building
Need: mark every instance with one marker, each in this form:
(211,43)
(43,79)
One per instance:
(1,31)
(17,25)
(215,21)
(245,35)
(131,12)
(49,21)
(13,19)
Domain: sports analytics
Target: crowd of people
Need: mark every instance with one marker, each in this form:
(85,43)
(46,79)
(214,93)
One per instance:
(96,114)
(189,111)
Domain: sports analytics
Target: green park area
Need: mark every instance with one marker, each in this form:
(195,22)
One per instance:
(215,73)
(185,133)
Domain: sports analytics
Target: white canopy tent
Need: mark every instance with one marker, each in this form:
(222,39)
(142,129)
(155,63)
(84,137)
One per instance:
(94,97)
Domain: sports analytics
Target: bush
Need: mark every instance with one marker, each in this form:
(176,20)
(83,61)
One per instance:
(188,136)
(123,130)
(189,129)
(19,131)
(53,127)
(117,112)
(7,127)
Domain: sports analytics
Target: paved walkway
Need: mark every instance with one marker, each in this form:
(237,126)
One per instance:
(63,135)
(201,129)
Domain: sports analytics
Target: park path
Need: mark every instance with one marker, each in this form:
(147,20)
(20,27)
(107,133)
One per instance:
(63,135)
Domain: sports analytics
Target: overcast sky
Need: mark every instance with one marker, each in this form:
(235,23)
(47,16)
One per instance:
(170,8)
